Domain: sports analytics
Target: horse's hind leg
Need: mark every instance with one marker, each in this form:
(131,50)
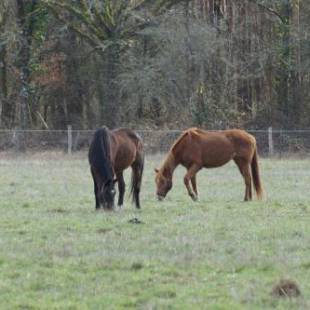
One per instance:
(121,188)
(244,168)
(136,185)
(137,171)
(136,177)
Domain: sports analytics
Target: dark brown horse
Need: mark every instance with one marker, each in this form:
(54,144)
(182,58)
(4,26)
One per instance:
(110,153)
(196,149)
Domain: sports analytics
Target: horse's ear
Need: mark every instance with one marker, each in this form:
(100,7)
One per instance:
(156,170)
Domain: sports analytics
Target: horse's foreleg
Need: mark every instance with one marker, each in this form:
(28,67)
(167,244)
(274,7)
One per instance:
(121,189)
(97,206)
(191,173)
(194,185)
(96,191)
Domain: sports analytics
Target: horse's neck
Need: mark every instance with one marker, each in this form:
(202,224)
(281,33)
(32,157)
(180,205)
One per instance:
(169,165)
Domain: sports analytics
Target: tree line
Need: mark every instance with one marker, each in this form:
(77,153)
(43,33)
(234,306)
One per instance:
(154,63)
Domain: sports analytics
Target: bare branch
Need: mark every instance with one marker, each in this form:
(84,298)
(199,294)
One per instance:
(270,10)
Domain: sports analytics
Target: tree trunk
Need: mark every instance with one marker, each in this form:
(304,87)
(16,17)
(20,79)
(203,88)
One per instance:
(26,27)
(111,106)
(284,76)
(3,81)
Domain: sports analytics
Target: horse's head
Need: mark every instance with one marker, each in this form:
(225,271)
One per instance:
(107,194)
(163,185)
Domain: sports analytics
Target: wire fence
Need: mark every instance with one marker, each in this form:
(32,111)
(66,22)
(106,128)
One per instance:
(270,141)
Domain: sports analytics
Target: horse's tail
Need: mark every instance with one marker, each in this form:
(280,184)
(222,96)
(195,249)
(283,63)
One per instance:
(137,172)
(255,175)
(99,152)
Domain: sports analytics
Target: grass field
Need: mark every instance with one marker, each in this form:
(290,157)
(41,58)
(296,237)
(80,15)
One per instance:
(56,252)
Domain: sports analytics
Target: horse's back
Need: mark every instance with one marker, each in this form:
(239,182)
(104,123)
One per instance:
(204,148)
(127,139)
(243,142)
(213,148)
(127,133)
(240,136)
(235,138)
(126,145)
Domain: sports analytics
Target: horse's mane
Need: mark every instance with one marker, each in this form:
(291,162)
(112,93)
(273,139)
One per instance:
(99,153)
(170,158)
(180,138)
(106,142)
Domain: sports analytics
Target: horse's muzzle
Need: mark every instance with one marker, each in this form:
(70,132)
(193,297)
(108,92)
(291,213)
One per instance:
(108,206)
(160,197)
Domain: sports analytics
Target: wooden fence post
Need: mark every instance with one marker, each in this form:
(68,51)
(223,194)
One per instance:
(270,142)
(69,139)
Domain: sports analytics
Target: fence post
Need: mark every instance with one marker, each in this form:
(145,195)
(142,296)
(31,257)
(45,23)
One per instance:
(69,139)
(270,141)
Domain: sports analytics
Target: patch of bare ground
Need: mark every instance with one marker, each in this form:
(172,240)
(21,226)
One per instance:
(286,288)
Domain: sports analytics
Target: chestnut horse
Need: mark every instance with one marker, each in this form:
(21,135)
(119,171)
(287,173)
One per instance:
(110,153)
(196,149)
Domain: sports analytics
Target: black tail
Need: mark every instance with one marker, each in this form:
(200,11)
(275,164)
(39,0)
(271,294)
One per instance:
(99,154)
(256,177)
(137,172)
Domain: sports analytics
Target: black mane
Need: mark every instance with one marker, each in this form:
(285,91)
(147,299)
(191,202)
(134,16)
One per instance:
(99,154)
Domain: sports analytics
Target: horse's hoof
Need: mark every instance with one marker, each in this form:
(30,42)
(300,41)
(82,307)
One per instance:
(109,209)
(194,197)
(135,221)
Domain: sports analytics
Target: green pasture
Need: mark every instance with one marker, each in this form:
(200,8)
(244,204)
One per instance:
(57,252)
